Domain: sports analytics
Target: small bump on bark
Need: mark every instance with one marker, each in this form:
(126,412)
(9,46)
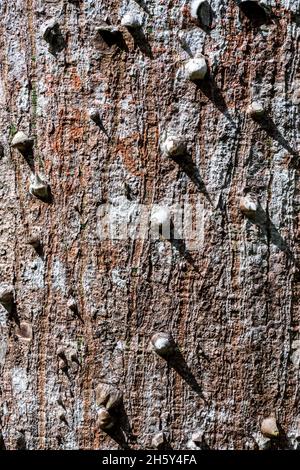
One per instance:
(23,143)
(173,146)
(256,110)
(105,421)
(269,427)
(248,205)
(24,331)
(39,187)
(159,440)
(195,69)
(131,21)
(163,344)
(108,396)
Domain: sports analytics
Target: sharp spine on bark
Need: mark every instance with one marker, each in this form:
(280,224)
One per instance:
(105,420)
(248,205)
(52,35)
(72,305)
(269,427)
(39,188)
(173,146)
(159,440)
(196,441)
(256,110)
(94,114)
(7,297)
(108,396)
(61,353)
(163,344)
(131,20)
(62,365)
(62,361)
(109,399)
(196,68)
(34,240)
(197,437)
(62,418)
(23,143)
(73,355)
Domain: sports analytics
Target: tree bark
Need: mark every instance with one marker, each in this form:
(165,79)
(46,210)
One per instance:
(85,308)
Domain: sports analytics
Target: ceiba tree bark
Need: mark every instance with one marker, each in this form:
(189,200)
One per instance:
(85,309)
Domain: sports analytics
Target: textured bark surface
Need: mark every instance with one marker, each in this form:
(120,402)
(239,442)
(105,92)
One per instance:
(232,305)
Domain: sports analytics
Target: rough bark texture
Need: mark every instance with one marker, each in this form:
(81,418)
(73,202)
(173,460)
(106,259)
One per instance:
(232,305)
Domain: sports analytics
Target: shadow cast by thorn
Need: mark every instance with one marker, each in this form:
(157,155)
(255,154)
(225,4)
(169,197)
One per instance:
(180,246)
(76,313)
(118,436)
(281,442)
(21,441)
(121,431)
(29,158)
(64,420)
(57,45)
(178,363)
(13,313)
(203,445)
(48,199)
(295,17)
(114,38)
(294,162)
(255,14)
(65,371)
(267,124)
(39,251)
(165,446)
(2,443)
(100,125)
(263,221)
(209,87)
(187,165)
(141,41)
(284,441)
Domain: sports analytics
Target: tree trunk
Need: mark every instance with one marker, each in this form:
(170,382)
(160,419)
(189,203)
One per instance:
(86,305)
